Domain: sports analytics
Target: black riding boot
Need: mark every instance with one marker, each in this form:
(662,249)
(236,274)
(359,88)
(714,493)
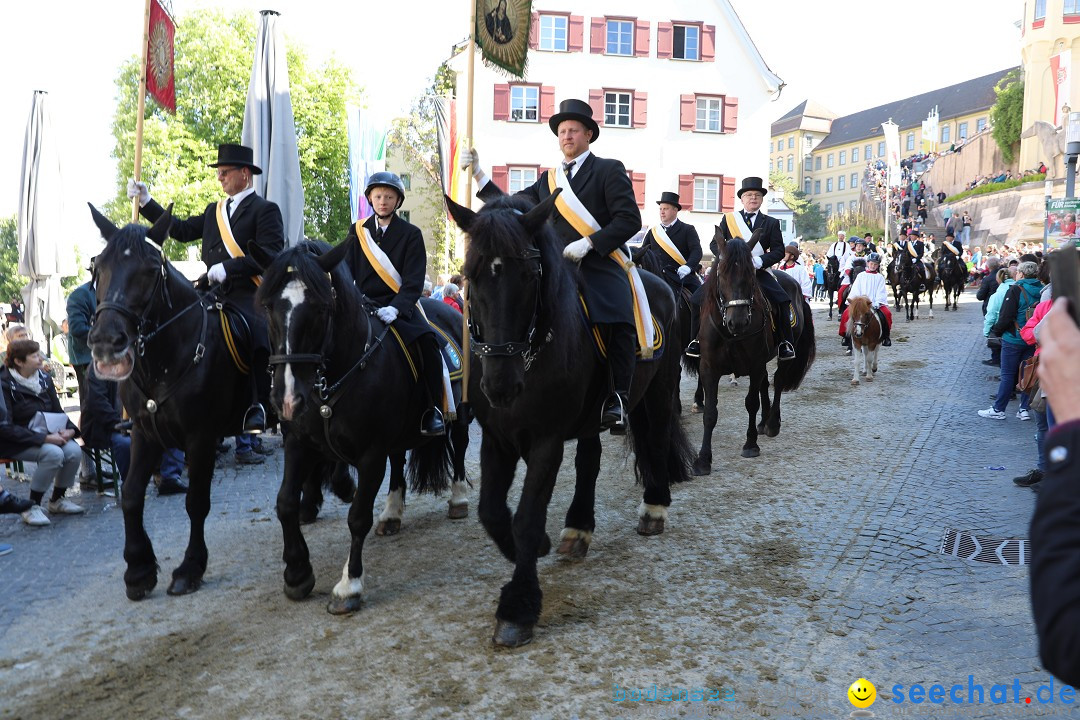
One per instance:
(694,348)
(786,349)
(255,416)
(431,424)
(885,340)
(620,356)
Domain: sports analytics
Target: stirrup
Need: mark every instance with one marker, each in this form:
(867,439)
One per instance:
(613,416)
(431,424)
(789,355)
(255,420)
(693,349)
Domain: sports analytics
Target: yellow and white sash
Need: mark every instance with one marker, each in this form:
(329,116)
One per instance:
(952,248)
(660,237)
(579,217)
(911,249)
(231,246)
(378,259)
(737,228)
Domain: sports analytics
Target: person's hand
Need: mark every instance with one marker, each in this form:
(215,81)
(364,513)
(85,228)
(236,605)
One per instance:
(876,305)
(577,250)
(66,434)
(470,160)
(1059,371)
(757,262)
(55,439)
(683,271)
(138,189)
(216,273)
(387,314)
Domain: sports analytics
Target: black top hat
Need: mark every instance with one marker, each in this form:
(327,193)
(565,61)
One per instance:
(230,154)
(575,110)
(669,198)
(752,183)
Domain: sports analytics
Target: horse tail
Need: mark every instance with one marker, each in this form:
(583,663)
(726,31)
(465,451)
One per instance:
(431,466)
(690,364)
(662,450)
(805,352)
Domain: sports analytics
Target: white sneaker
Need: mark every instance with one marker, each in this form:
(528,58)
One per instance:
(35,516)
(1023,414)
(992,414)
(63,506)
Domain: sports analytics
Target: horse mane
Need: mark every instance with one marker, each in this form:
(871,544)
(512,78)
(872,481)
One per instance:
(299,261)
(860,305)
(131,241)
(498,232)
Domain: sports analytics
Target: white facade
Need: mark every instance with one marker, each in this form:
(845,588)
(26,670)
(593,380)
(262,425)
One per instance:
(655,148)
(775,206)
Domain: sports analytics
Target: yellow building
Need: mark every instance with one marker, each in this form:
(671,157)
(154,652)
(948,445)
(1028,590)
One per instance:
(832,170)
(1048,29)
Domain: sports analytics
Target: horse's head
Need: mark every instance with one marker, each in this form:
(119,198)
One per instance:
(129,274)
(719,239)
(511,248)
(735,287)
(859,315)
(297,294)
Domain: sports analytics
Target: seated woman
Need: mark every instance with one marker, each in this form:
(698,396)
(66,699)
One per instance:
(26,390)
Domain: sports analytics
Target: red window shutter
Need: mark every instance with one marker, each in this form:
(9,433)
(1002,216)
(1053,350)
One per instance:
(708,43)
(687,112)
(727,193)
(665,39)
(502,102)
(637,179)
(641,111)
(686,191)
(596,102)
(534,32)
(597,31)
(575,39)
(500,175)
(547,102)
(641,38)
(731,114)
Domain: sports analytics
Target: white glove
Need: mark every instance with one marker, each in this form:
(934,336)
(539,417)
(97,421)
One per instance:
(577,250)
(138,189)
(683,271)
(757,262)
(470,159)
(216,273)
(387,314)
(876,305)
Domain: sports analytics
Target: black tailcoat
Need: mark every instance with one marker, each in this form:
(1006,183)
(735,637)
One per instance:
(683,236)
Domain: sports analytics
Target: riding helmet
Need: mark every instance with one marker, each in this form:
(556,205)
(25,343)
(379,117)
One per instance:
(874,257)
(385,179)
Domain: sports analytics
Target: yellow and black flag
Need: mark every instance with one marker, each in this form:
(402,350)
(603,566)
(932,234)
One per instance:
(502,32)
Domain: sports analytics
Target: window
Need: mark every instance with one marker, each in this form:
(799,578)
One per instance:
(910,145)
(404,215)
(620,37)
(520,178)
(687,44)
(828,209)
(708,114)
(770,164)
(553,32)
(783,225)
(961,131)
(881,149)
(854,205)
(524,103)
(868,152)
(780,162)
(707,194)
(841,182)
(854,155)
(406,180)
(617,109)
(980,125)
(1072,7)
(946,133)
(791,163)
(806,186)
(808,140)
(1040,11)
(829,160)
(843,157)
(817,186)
(770,148)
(791,142)
(817,163)
(828,185)
(854,180)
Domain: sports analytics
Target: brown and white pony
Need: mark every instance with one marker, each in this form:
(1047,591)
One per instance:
(864,329)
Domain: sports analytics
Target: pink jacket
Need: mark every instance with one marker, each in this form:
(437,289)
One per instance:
(1028,331)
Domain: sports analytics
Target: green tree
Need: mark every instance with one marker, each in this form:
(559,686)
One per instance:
(809,220)
(213,59)
(1007,115)
(11,282)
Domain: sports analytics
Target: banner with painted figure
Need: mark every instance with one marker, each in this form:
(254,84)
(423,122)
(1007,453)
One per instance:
(159,57)
(502,32)
(367,155)
(1060,71)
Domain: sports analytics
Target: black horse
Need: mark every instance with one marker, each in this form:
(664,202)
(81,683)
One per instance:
(832,282)
(738,336)
(541,382)
(912,283)
(164,343)
(952,273)
(350,392)
(896,266)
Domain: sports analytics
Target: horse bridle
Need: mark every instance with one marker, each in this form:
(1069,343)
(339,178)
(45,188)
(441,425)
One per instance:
(527,348)
(723,305)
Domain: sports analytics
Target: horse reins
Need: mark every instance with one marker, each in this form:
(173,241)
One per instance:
(527,347)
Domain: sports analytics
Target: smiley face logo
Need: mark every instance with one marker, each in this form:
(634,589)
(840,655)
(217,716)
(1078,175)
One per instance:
(862,693)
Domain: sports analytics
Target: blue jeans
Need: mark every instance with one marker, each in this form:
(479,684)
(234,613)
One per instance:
(1011,357)
(172,463)
(121,453)
(247,443)
(1041,427)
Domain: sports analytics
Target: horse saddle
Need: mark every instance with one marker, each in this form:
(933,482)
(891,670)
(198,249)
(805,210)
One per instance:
(237,334)
(774,314)
(451,355)
(659,341)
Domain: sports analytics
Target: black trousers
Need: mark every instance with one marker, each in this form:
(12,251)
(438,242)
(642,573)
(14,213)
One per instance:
(619,339)
(431,358)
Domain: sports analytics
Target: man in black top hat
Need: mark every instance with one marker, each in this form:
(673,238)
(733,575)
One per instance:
(605,191)
(227,229)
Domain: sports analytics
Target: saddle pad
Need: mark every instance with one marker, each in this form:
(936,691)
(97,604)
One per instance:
(237,334)
(659,342)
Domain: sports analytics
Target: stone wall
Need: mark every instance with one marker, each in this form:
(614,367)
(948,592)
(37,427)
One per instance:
(979,156)
(1006,216)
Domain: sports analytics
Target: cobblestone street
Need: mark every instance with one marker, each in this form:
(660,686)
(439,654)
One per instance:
(781,579)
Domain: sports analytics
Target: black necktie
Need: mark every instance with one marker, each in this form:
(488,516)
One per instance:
(749,220)
(228,207)
(568,168)
(379,232)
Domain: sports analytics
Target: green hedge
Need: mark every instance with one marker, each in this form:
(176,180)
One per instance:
(994,187)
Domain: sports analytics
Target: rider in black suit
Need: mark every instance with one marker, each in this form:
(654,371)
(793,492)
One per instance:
(604,188)
(254,221)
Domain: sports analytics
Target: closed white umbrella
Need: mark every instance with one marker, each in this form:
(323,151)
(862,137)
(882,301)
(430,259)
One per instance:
(270,131)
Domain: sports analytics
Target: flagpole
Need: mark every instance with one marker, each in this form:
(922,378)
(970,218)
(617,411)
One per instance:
(466,352)
(142,109)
